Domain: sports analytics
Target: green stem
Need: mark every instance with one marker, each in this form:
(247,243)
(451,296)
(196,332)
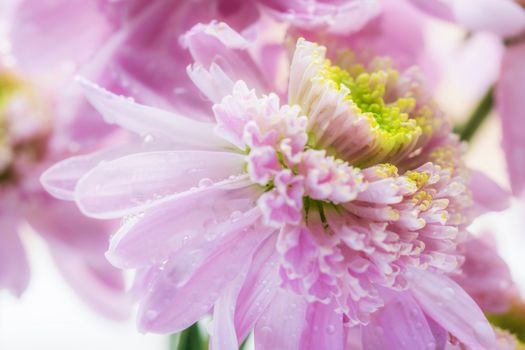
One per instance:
(244,344)
(483,109)
(189,339)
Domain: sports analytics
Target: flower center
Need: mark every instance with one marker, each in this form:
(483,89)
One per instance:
(24,127)
(367,91)
(363,115)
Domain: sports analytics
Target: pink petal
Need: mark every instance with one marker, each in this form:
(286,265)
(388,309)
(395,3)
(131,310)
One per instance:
(7,7)
(132,183)
(502,17)
(223,334)
(272,56)
(214,83)
(61,179)
(282,324)
(397,32)
(399,325)
(64,225)
(172,305)
(510,106)
(436,8)
(216,43)
(97,282)
(145,59)
(488,195)
(485,275)
(43,29)
(440,334)
(258,289)
(452,308)
(78,245)
(14,267)
(325,328)
(340,17)
(182,222)
(153,122)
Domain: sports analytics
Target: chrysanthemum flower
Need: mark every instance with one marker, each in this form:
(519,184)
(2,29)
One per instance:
(29,143)
(326,219)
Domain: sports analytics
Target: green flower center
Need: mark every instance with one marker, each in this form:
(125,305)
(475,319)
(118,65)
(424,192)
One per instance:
(367,91)
(395,120)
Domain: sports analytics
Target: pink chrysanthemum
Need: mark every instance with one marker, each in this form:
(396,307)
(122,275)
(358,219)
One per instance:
(29,143)
(333,215)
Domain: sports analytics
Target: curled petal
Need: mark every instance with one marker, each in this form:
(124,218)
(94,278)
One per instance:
(217,43)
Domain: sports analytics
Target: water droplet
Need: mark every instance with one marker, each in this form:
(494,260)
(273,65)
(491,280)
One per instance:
(431,346)
(235,216)
(151,315)
(414,312)
(205,182)
(483,332)
(504,284)
(210,235)
(330,329)
(266,330)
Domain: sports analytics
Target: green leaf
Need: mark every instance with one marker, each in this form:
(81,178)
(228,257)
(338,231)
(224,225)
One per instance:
(189,339)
